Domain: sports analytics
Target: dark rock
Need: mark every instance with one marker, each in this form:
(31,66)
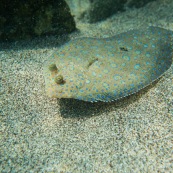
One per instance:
(21,19)
(137,3)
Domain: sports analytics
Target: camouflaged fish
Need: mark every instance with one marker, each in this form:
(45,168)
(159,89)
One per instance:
(106,69)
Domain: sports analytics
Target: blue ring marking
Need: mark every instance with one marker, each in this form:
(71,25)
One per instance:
(148,55)
(137,66)
(145,45)
(138,52)
(126,57)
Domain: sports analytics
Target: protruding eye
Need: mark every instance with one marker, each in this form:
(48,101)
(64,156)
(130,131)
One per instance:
(59,79)
(53,67)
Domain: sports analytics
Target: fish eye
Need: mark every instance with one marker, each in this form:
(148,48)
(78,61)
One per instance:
(53,67)
(59,79)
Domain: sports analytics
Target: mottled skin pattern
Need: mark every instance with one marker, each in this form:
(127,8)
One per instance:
(110,68)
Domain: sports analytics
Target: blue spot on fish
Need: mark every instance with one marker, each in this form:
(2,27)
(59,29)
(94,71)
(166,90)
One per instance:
(137,66)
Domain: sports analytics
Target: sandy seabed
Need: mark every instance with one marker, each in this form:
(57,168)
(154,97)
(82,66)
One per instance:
(39,134)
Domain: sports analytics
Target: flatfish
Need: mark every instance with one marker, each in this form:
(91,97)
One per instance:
(107,69)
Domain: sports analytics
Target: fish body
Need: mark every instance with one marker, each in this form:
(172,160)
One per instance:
(106,69)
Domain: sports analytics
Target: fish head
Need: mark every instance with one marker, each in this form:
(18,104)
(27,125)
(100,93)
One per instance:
(63,78)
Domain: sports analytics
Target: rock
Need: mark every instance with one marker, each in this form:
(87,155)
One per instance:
(25,19)
(95,10)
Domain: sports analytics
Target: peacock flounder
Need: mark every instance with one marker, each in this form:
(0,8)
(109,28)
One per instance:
(107,69)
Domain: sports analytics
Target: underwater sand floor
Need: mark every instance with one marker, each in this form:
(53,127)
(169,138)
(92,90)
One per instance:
(39,134)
